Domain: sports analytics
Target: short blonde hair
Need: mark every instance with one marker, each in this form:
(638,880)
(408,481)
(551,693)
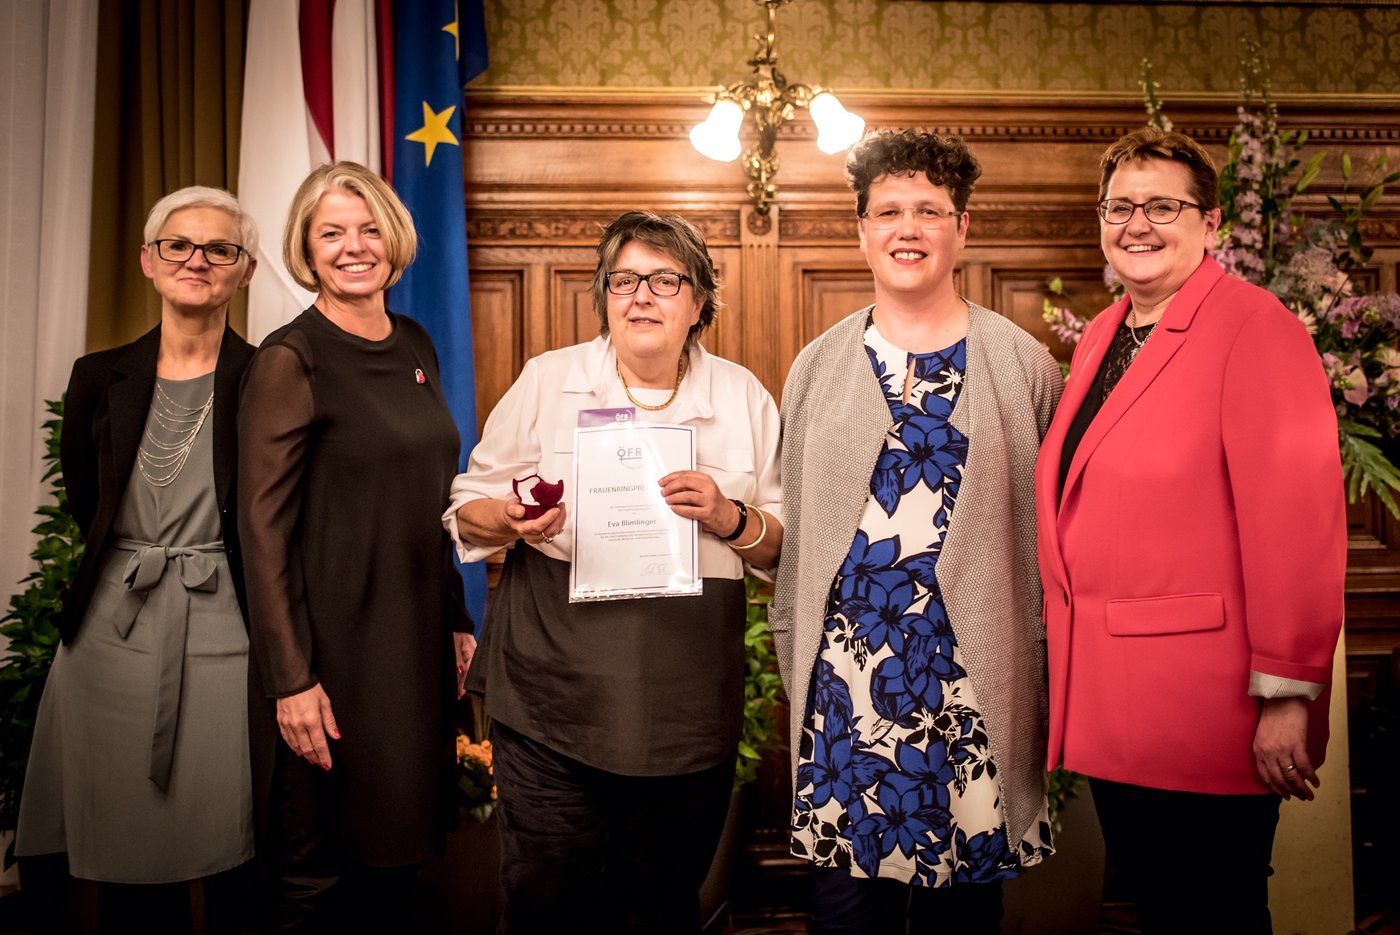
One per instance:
(395,224)
(202,196)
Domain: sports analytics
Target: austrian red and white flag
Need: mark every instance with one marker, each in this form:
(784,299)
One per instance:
(310,95)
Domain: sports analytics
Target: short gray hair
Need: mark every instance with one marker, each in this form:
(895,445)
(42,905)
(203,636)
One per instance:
(202,196)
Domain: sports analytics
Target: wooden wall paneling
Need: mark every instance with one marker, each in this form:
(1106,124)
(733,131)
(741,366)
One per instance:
(571,318)
(1373,539)
(498,311)
(762,350)
(725,337)
(820,286)
(1019,286)
(547,168)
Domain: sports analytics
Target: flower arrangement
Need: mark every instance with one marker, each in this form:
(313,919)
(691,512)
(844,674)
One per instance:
(1311,262)
(476,783)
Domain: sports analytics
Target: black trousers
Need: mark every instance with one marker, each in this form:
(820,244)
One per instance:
(586,850)
(317,884)
(847,905)
(1194,862)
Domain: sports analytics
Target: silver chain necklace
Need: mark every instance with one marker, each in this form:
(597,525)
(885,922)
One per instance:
(1132,333)
(160,461)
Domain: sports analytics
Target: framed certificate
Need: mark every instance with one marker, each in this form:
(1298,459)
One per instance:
(627,541)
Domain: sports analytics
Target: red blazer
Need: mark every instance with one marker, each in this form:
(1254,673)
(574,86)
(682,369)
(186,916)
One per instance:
(1200,535)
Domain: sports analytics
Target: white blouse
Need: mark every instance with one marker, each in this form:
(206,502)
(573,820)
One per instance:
(531,431)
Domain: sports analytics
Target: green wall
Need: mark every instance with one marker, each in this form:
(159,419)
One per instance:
(950,45)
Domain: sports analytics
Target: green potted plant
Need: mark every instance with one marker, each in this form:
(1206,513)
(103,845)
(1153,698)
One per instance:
(763,689)
(759,734)
(31,627)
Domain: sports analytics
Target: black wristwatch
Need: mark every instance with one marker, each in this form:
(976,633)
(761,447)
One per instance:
(743,521)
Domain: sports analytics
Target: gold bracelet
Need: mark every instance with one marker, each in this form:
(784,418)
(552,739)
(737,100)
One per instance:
(762,530)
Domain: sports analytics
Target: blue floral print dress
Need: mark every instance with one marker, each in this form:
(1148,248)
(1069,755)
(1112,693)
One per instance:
(895,776)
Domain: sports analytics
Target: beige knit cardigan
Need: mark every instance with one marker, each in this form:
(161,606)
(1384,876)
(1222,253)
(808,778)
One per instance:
(834,422)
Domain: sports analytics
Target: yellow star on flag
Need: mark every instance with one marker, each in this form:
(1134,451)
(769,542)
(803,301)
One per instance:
(433,131)
(452,28)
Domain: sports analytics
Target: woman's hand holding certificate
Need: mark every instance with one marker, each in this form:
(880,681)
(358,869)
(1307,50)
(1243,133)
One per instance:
(628,542)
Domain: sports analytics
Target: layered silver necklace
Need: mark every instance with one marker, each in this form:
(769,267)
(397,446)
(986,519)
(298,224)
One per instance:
(160,460)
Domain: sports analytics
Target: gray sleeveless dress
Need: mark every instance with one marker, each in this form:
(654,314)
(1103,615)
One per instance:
(139,768)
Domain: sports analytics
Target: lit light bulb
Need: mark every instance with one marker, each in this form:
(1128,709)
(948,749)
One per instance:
(837,127)
(717,136)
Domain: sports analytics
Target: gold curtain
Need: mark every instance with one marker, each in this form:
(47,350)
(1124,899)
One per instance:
(169,106)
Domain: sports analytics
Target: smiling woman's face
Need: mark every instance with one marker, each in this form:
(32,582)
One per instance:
(645,326)
(347,253)
(1154,260)
(908,259)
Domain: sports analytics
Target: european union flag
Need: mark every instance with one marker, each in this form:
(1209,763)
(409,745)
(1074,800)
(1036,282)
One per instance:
(436,52)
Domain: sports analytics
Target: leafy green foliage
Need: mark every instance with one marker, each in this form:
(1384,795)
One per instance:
(1365,467)
(763,689)
(31,626)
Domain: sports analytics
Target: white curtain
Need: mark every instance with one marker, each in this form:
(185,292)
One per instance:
(48,55)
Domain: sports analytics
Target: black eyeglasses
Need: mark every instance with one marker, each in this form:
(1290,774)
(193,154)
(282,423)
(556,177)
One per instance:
(1156,210)
(626,282)
(216,252)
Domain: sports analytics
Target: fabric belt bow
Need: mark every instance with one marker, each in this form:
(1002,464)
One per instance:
(169,606)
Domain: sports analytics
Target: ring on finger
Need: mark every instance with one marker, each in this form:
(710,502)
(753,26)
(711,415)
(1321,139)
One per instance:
(1288,769)
(546,538)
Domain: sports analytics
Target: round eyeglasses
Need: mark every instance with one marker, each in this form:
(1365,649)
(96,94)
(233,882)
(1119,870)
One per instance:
(887,219)
(1156,210)
(217,253)
(626,282)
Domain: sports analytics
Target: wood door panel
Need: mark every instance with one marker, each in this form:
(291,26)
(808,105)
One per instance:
(1019,293)
(497,297)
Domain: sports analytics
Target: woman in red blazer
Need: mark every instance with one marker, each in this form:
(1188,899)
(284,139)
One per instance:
(1192,545)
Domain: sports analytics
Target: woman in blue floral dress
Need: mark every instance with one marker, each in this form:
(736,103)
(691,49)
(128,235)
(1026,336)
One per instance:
(908,618)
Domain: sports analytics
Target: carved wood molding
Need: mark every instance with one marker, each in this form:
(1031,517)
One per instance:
(666,113)
(991,224)
(575,228)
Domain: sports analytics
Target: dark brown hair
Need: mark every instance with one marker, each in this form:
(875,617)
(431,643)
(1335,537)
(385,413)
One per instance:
(669,234)
(1153,143)
(943,160)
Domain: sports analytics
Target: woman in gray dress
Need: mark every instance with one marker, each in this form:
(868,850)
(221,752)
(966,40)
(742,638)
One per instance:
(138,777)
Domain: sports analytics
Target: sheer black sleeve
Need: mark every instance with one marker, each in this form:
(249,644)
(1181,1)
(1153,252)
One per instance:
(274,433)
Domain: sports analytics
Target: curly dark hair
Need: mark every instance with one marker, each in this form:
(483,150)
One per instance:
(945,160)
(669,234)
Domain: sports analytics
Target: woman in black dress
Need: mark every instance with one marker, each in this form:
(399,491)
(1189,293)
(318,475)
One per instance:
(357,615)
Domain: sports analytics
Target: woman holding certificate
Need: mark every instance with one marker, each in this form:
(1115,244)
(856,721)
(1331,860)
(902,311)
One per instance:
(615,723)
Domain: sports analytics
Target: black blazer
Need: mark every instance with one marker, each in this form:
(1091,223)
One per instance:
(108,400)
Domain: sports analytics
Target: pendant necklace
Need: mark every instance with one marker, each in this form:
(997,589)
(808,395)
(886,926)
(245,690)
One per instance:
(1132,333)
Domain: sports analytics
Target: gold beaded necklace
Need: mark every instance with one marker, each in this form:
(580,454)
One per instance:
(680,373)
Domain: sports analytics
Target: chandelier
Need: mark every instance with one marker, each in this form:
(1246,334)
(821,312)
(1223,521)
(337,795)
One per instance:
(768,97)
